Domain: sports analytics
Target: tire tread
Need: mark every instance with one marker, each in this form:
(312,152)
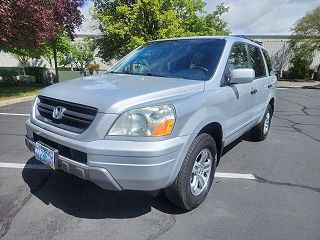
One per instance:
(176,193)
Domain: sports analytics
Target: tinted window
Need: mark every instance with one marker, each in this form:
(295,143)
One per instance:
(257,61)
(238,57)
(194,59)
(267,58)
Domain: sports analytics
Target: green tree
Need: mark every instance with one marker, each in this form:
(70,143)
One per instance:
(63,45)
(23,55)
(126,24)
(80,54)
(305,40)
(29,24)
(306,31)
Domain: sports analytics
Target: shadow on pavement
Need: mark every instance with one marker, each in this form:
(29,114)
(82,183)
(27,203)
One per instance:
(244,138)
(84,199)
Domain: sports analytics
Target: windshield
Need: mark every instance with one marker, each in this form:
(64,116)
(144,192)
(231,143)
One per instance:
(194,59)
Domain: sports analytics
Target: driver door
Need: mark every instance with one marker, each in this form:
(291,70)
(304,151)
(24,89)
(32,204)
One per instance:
(239,99)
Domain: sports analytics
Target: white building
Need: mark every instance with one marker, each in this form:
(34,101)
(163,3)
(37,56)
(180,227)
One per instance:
(8,60)
(278,49)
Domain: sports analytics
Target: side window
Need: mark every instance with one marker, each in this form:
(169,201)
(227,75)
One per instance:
(257,61)
(269,65)
(238,57)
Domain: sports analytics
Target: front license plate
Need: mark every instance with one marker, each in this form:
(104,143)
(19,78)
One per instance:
(45,155)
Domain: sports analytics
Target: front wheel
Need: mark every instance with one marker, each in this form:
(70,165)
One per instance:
(261,130)
(194,180)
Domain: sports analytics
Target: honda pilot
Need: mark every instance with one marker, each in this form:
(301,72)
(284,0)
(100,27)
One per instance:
(159,118)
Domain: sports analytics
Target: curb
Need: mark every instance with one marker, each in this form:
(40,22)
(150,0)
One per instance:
(311,87)
(300,87)
(16,100)
(295,87)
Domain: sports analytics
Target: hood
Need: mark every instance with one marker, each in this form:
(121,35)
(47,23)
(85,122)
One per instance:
(114,93)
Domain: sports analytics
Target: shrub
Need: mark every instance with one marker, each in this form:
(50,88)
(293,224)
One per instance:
(316,75)
(300,64)
(285,75)
(37,72)
(27,79)
(68,69)
(299,68)
(93,67)
(9,74)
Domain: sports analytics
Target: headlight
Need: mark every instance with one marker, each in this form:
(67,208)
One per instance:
(149,121)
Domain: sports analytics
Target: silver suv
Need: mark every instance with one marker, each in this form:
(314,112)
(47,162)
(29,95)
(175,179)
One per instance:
(160,118)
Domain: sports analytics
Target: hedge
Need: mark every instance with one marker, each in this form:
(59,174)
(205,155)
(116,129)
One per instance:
(27,79)
(9,74)
(37,72)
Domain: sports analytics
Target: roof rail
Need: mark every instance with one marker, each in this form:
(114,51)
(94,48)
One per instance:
(241,36)
(245,37)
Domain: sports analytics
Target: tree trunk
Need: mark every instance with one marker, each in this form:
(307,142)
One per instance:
(55,62)
(24,67)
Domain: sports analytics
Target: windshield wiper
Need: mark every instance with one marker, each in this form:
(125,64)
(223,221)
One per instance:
(154,75)
(121,72)
(141,74)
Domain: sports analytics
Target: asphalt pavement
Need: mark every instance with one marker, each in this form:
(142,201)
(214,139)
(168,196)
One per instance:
(281,202)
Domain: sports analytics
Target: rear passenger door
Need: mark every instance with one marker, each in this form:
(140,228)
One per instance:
(261,81)
(238,98)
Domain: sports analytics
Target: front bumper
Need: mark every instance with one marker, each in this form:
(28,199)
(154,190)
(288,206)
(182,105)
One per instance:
(99,176)
(120,165)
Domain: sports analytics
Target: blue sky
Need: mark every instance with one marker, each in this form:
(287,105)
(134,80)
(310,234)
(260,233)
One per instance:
(247,16)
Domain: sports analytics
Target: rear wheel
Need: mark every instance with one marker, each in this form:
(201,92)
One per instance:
(261,130)
(194,180)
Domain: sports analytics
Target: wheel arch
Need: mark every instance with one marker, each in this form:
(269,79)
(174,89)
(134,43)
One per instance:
(271,103)
(215,130)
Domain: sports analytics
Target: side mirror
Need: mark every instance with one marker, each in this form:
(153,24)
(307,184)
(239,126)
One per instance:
(242,75)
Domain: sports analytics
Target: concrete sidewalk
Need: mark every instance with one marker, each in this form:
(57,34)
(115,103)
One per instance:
(16,100)
(287,84)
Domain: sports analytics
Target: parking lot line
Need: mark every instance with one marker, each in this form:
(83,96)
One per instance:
(22,165)
(43,167)
(15,114)
(235,175)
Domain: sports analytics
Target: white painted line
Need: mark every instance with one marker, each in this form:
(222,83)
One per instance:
(15,114)
(235,175)
(43,167)
(22,165)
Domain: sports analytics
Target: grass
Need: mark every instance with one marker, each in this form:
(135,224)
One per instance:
(10,92)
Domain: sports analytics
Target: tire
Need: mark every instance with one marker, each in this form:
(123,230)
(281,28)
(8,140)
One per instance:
(185,192)
(261,130)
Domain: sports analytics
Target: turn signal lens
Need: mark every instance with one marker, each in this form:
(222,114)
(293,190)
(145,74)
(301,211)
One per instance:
(163,128)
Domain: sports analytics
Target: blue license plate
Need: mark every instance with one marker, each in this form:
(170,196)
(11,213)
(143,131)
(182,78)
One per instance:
(45,155)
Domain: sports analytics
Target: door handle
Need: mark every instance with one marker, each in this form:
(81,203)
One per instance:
(269,85)
(253,91)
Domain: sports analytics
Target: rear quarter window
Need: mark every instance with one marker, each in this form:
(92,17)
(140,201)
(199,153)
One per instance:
(268,61)
(257,62)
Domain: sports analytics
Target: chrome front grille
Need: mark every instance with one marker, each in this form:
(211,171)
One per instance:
(75,118)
